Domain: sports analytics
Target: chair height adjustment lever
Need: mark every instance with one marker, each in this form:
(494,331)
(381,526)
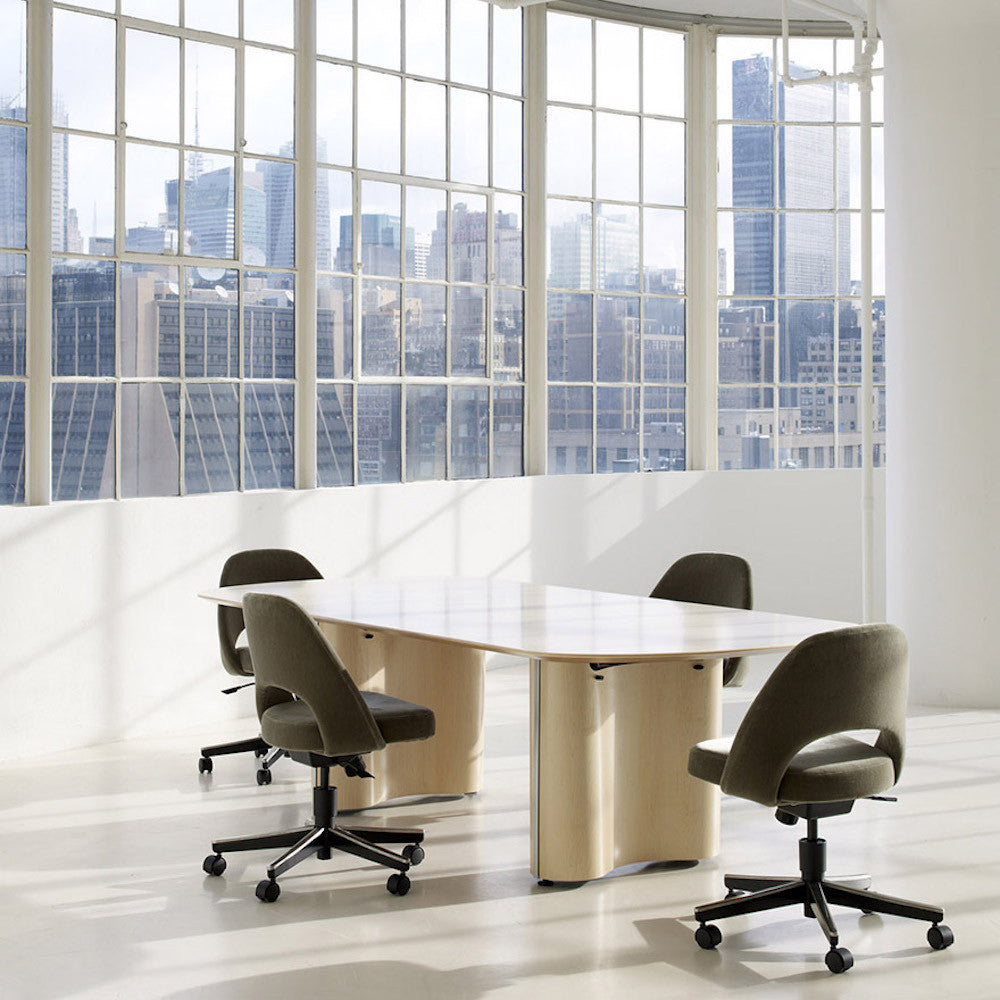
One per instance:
(239,687)
(882,798)
(354,767)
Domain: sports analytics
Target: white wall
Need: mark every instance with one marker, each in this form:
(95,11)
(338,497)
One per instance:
(104,638)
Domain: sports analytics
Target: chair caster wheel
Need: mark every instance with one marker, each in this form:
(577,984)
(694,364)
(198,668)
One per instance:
(205,765)
(708,936)
(267,890)
(214,864)
(839,960)
(413,853)
(263,776)
(398,884)
(546,883)
(940,936)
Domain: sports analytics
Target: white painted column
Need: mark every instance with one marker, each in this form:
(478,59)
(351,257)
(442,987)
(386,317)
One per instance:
(943,351)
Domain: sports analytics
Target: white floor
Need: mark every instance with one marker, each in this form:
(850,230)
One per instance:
(104,897)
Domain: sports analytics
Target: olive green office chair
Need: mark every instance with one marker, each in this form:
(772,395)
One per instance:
(250,566)
(711,578)
(793,751)
(309,706)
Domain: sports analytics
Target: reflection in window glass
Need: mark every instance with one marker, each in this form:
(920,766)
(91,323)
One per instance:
(269,436)
(470,432)
(378,445)
(83,441)
(426,432)
(211,438)
(83,90)
(334,327)
(335,429)
(150,439)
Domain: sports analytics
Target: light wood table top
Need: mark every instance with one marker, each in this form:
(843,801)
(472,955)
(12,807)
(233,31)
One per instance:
(540,621)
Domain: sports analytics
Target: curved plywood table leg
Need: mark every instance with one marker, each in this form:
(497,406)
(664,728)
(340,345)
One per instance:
(609,765)
(448,679)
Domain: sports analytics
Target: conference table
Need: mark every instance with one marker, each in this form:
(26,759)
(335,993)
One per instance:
(621,687)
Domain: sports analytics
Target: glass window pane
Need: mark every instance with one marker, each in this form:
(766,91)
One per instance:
(378,33)
(746,239)
(220,16)
(335,28)
(334,113)
(805,341)
(211,323)
(425,38)
(335,435)
(378,121)
(663,251)
(13,299)
(164,11)
(570,152)
(380,228)
(849,168)
(152,86)
(271,21)
(209,95)
(803,441)
(508,239)
(808,174)
(746,342)
(469,36)
(150,320)
(425,129)
(571,227)
(13,59)
(470,432)
(663,431)
(746,78)
(508,334)
(806,58)
(468,237)
(469,135)
(617,66)
(468,331)
(570,337)
(426,232)
(335,221)
(747,164)
(268,325)
(663,340)
(380,328)
(508,431)
(618,429)
(269,103)
(83,441)
(83,318)
(426,432)
(269,213)
(617,234)
(210,205)
(746,428)
(269,436)
(13,186)
(151,179)
(83,89)
(570,59)
(571,432)
(334,327)
(507,134)
(662,72)
(663,163)
(211,438)
(379,452)
(507,50)
(807,253)
(11,442)
(617,338)
(425,329)
(150,439)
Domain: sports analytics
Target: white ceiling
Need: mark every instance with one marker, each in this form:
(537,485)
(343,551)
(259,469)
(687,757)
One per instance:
(769,9)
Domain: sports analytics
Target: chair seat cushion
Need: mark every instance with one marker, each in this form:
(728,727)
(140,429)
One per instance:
(292,725)
(832,769)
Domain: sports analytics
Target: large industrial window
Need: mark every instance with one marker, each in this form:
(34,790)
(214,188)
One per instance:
(420,320)
(616,246)
(789,230)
